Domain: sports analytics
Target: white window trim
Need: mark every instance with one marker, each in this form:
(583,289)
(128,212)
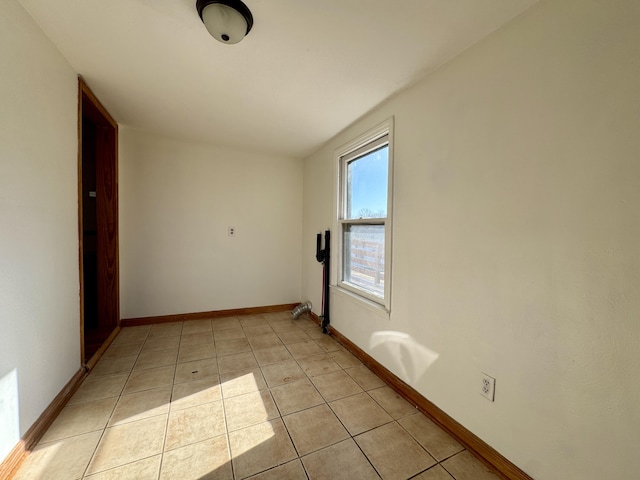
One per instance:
(363,142)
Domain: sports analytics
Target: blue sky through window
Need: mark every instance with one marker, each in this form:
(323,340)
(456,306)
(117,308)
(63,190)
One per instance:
(367,192)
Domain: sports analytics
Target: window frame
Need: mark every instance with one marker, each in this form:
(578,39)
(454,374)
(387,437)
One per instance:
(368,142)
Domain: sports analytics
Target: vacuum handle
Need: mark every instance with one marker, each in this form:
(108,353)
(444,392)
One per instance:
(319,252)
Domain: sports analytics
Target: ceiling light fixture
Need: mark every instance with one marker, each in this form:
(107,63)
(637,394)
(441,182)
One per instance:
(228,21)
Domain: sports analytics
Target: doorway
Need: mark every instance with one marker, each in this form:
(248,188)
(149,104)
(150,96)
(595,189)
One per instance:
(98,225)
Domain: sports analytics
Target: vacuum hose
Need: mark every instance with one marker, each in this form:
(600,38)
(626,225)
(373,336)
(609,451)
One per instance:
(301,309)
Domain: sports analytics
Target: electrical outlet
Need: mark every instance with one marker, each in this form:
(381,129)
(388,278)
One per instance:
(488,386)
(231,231)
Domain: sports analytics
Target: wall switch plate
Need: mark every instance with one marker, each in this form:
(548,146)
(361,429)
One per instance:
(487,386)
(231,231)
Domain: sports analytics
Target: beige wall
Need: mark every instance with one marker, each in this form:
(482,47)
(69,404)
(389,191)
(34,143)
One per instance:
(39,281)
(177,200)
(515,241)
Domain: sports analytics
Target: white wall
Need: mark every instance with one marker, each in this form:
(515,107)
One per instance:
(39,281)
(177,200)
(516,239)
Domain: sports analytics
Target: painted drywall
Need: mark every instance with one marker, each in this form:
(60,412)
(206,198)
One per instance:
(39,280)
(515,241)
(177,200)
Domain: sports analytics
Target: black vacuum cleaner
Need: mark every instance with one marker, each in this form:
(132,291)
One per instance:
(324,257)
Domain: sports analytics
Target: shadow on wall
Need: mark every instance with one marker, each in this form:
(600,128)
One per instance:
(408,359)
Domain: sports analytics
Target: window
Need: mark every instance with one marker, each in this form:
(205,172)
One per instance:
(364,215)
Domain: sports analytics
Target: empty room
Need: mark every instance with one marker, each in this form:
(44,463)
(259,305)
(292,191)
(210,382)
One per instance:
(319,239)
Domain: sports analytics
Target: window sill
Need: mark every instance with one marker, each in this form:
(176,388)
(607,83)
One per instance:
(355,299)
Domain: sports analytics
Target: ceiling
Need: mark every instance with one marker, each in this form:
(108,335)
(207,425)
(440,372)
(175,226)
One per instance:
(306,70)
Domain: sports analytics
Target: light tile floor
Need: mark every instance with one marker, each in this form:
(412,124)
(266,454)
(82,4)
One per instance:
(261,397)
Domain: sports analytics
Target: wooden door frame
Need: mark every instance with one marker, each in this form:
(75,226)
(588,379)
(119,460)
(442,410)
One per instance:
(86,98)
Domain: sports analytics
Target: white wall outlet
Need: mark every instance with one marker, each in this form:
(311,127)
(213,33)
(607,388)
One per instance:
(487,386)
(231,231)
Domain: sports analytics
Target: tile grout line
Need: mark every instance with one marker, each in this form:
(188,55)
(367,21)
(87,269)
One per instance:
(166,426)
(224,409)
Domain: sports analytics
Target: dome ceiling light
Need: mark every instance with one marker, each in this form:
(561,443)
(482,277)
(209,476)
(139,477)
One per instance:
(228,21)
